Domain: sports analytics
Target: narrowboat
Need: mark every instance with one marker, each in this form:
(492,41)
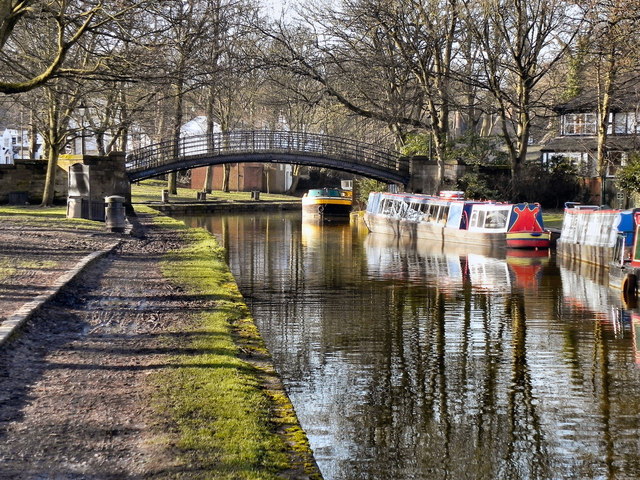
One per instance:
(624,268)
(449,219)
(326,204)
(590,233)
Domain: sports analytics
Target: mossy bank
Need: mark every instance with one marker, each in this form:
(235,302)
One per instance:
(223,408)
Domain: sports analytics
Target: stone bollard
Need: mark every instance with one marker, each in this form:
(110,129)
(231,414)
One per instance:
(114,215)
(255,195)
(165,196)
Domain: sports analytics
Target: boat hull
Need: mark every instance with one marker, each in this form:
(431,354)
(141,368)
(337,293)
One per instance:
(432,232)
(327,209)
(529,240)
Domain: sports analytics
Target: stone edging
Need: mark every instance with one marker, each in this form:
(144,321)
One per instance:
(15,321)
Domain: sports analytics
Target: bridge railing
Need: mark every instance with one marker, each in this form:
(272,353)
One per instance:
(349,151)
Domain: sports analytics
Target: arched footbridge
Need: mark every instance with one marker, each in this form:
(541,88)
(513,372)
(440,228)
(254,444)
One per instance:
(269,146)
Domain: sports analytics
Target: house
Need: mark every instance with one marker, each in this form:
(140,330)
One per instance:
(578,136)
(14,146)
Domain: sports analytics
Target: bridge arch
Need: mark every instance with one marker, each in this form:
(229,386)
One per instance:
(269,146)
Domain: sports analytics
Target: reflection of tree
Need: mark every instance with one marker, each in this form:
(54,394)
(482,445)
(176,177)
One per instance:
(601,356)
(525,447)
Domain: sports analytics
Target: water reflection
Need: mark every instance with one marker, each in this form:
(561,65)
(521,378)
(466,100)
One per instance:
(407,363)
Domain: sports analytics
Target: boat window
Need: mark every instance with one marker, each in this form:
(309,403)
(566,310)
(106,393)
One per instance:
(496,220)
(437,213)
(445,213)
(414,213)
(480,219)
(387,206)
(474,219)
(429,212)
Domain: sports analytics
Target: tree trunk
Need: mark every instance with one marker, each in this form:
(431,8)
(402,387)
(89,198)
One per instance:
(172,183)
(50,180)
(177,124)
(53,152)
(225,178)
(208,177)
(295,178)
(33,143)
(604,109)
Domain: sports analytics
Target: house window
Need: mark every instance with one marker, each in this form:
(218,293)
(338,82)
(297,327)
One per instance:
(584,164)
(626,123)
(579,124)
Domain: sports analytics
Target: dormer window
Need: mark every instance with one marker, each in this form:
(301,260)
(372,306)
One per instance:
(579,124)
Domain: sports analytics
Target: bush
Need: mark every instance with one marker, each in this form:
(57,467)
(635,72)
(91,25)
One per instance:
(479,186)
(628,176)
(551,186)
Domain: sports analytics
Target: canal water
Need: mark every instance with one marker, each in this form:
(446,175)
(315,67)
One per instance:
(407,363)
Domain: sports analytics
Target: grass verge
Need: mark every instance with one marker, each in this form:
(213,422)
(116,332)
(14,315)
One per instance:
(553,219)
(151,190)
(228,418)
(49,217)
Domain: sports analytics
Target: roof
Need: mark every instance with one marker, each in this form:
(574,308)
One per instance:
(626,97)
(579,143)
(197,126)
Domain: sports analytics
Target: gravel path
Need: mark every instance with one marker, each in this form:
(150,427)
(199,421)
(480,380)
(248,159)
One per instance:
(73,398)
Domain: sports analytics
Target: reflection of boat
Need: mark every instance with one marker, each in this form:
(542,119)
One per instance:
(635,333)
(448,219)
(327,204)
(527,266)
(400,258)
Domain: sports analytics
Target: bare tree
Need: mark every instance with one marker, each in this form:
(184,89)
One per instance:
(613,54)
(66,23)
(61,100)
(520,42)
(388,61)
(229,79)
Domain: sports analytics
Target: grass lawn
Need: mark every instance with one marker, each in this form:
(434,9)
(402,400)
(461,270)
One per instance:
(151,191)
(47,217)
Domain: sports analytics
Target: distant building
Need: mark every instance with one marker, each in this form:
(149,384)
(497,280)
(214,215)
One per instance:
(245,177)
(577,138)
(14,146)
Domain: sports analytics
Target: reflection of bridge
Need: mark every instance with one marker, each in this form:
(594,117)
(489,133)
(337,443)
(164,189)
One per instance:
(269,146)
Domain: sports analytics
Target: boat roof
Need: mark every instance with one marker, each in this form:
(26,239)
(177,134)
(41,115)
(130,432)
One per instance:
(422,198)
(324,192)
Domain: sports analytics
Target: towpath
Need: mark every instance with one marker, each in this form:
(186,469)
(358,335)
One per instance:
(74,395)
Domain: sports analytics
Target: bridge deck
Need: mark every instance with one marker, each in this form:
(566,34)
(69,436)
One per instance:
(269,146)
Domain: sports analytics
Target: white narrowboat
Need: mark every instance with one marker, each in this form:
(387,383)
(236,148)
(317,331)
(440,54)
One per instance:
(591,234)
(448,219)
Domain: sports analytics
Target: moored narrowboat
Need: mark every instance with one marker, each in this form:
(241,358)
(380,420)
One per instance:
(590,233)
(624,268)
(448,219)
(326,204)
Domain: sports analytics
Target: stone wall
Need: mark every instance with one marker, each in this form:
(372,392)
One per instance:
(424,173)
(23,182)
(25,179)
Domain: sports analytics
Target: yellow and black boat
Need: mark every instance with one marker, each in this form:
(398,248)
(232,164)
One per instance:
(326,204)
